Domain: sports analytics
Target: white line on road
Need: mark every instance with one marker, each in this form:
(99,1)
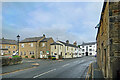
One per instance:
(44,73)
(65,65)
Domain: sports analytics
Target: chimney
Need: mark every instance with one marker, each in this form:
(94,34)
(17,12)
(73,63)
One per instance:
(75,43)
(67,41)
(44,35)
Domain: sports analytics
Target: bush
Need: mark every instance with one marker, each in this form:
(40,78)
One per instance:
(32,56)
(26,56)
(9,61)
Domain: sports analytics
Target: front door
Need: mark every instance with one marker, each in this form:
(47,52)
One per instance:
(86,53)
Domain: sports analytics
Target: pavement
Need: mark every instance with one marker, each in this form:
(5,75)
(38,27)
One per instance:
(37,68)
(94,72)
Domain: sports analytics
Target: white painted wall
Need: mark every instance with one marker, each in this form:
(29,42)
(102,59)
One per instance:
(90,53)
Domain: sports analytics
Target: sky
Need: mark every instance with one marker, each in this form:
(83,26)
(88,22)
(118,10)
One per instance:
(73,21)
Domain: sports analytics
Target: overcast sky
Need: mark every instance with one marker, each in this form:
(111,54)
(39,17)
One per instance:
(73,21)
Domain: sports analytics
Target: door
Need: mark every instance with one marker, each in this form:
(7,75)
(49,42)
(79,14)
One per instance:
(105,62)
(86,53)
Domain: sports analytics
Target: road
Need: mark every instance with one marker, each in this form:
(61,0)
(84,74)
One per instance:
(68,68)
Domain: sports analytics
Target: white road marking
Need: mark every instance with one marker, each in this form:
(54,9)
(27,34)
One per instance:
(44,73)
(65,65)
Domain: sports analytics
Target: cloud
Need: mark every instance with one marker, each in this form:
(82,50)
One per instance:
(72,21)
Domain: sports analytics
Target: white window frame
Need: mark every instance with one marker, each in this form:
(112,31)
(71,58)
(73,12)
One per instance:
(22,45)
(31,44)
(43,44)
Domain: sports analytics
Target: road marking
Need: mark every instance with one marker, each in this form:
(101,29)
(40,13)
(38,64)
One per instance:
(17,71)
(65,65)
(44,73)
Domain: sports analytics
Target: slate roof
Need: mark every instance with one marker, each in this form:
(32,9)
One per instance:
(71,45)
(55,43)
(33,39)
(90,43)
(45,39)
(8,41)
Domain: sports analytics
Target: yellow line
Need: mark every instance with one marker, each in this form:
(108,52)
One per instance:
(17,71)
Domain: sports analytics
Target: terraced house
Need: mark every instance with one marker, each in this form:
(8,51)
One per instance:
(7,46)
(64,49)
(38,47)
(88,49)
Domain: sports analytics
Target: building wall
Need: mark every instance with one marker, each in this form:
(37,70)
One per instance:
(90,53)
(114,28)
(11,48)
(27,50)
(46,48)
(58,51)
(108,40)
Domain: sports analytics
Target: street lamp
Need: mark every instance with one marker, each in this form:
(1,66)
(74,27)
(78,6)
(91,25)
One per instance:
(18,37)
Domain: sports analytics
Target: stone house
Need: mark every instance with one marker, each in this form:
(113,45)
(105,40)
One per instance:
(108,40)
(7,46)
(39,47)
(68,50)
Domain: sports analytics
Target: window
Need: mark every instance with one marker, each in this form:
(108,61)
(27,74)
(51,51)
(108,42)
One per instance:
(82,53)
(21,53)
(6,46)
(43,44)
(71,48)
(90,49)
(0,46)
(87,48)
(82,49)
(90,53)
(65,53)
(82,46)
(52,53)
(24,53)
(55,46)
(22,45)
(75,48)
(31,44)
(55,53)
(61,53)
(13,51)
(30,52)
(90,45)
(14,47)
(9,47)
(8,51)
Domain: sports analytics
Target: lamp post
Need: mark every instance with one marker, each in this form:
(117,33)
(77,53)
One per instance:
(18,37)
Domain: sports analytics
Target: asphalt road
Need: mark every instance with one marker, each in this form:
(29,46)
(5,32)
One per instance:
(68,68)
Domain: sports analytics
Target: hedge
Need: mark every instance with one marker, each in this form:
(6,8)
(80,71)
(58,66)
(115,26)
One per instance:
(9,61)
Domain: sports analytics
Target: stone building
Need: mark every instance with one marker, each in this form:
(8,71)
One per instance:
(7,46)
(39,47)
(108,40)
(88,49)
(65,49)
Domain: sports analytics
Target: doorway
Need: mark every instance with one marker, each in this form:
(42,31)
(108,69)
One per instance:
(86,53)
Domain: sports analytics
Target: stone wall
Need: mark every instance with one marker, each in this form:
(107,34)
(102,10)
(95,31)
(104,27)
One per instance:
(108,40)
